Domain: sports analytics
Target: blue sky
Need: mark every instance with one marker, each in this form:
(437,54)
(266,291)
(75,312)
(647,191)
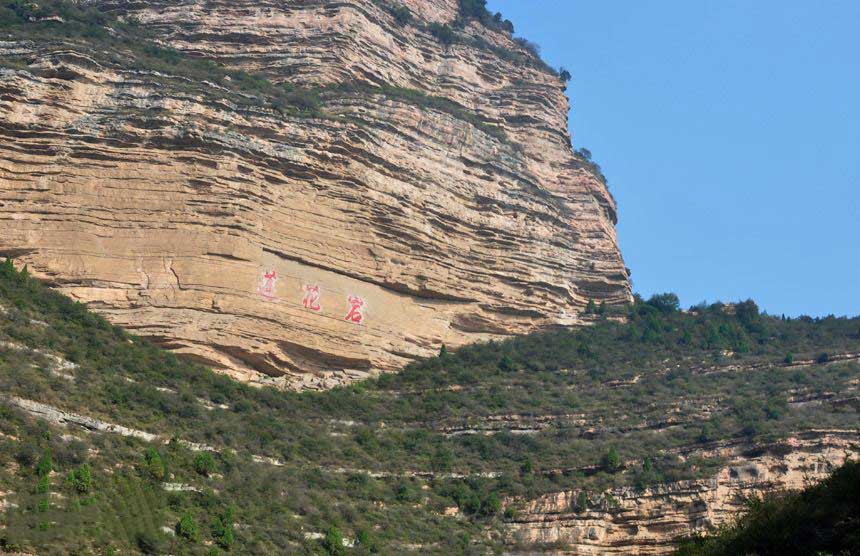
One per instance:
(730,134)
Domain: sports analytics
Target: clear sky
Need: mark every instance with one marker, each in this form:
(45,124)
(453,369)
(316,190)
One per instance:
(729,131)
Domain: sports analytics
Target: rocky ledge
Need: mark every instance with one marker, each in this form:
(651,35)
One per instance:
(629,521)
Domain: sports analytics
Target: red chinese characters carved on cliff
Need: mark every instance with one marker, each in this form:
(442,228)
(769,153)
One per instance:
(311,299)
(356,308)
(267,284)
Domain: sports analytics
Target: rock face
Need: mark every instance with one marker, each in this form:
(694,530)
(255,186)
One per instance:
(647,522)
(304,251)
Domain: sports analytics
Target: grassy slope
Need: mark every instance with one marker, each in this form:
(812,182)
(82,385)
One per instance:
(335,443)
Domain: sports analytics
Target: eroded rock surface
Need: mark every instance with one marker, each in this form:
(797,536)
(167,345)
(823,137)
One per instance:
(298,251)
(628,521)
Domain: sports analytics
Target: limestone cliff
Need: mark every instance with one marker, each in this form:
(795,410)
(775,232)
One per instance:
(294,249)
(628,521)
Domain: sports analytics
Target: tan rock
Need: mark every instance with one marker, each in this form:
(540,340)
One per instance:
(633,522)
(385,229)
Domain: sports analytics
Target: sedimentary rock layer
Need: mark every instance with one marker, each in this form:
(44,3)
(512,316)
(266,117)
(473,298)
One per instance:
(304,251)
(629,521)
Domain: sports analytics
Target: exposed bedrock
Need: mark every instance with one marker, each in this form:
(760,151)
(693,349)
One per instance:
(298,251)
(631,521)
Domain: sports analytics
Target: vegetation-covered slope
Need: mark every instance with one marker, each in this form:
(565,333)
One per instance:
(821,519)
(233,468)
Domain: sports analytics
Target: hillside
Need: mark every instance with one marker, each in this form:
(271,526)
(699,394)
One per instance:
(609,438)
(298,193)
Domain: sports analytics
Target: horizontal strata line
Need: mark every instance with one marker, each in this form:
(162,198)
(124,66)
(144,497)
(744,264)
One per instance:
(90,424)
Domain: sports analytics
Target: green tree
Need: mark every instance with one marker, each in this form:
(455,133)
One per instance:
(187,528)
(664,302)
(366,540)
(564,75)
(491,505)
(81,479)
(443,33)
(45,465)
(332,542)
(154,465)
(204,464)
(402,15)
(222,529)
(611,461)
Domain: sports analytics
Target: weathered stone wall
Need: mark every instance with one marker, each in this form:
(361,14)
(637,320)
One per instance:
(164,205)
(649,521)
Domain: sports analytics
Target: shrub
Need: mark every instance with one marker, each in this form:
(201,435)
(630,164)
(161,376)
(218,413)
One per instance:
(611,462)
(443,33)
(81,479)
(664,302)
(401,14)
(581,501)
(204,464)
(366,540)
(506,364)
(476,9)
(527,467)
(27,455)
(154,465)
(43,485)
(45,465)
(442,459)
(564,75)
(148,543)
(332,542)
(187,528)
(491,505)
(222,529)
(531,47)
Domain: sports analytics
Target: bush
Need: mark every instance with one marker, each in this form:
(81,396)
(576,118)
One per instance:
(148,543)
(443,33)
(401,14)
(564,75)
(506,364)
(45,465)
(222,529)
(154,466)
(81,479)
(491,505)
(187,528)
(476,9)
(531,47)
(611,462)
(366,540)
(664,302)
(333,542)
(204,464)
